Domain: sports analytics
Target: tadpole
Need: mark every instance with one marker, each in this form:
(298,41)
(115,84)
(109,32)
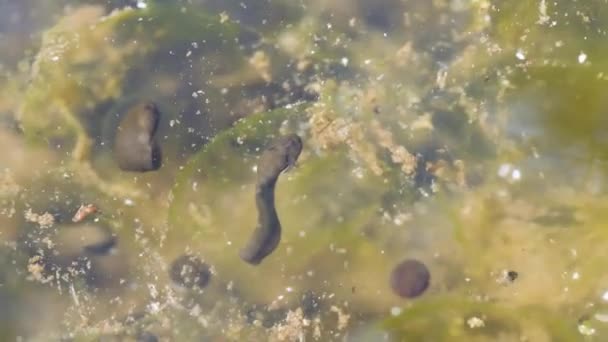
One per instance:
(135,145)
(279,156)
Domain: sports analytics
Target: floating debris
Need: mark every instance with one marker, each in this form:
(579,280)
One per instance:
(44,220)
(84,211)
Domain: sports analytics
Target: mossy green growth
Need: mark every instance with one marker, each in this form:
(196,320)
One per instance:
(323,206)
(457,318)
(88,62)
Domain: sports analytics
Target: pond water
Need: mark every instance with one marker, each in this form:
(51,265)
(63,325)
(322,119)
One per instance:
(392,170)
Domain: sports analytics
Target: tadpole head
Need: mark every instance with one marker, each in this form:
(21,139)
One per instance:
(293,145)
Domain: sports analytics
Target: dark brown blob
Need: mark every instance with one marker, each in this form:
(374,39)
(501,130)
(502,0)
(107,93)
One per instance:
(135,147)
(512,275)
(410,278)
(281,155)
(190,272)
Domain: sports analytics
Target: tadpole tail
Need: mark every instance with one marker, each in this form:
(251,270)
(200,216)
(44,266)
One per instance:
(267,234)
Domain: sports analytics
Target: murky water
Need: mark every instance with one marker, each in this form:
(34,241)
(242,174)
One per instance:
(451,184)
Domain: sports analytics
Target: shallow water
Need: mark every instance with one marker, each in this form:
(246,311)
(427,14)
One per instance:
(469,136)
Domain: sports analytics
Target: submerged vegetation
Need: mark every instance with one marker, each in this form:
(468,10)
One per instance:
(450,185)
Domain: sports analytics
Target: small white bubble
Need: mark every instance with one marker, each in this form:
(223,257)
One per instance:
(141,4)
(520,55)
(516,175)
(344,61)
(475,322)
(576,276)
(585,330)
(504,170)
(582,57)
(129,202)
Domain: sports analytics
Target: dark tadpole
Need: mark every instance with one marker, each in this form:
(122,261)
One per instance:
(135,145)
(279,156)
(410,278)
(190,272)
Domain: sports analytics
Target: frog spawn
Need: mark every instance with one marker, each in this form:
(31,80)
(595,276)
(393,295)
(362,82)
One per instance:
(190,272)
(410,278)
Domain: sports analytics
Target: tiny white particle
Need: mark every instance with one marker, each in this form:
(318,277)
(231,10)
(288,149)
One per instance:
(55,58)
(516,175)
(605,296)
(520,55)
(367,61)
(504,170)
(395,311)
(129,202)
(582,57)
(154,307)
(344,61)
(194,94)
(475,322)
(585,330)
(289,289)
(576,276)
(141,4)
